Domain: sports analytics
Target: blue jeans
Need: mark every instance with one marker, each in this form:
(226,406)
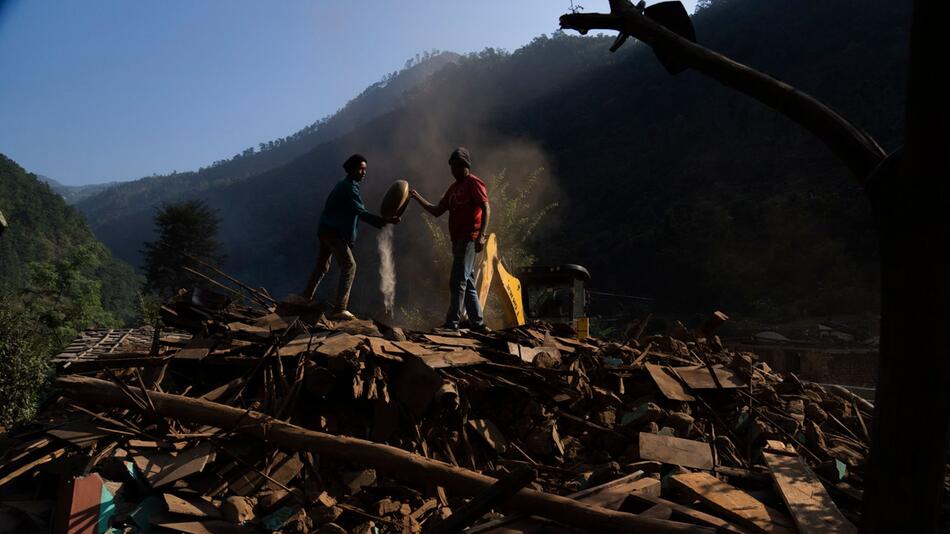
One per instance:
(462,285)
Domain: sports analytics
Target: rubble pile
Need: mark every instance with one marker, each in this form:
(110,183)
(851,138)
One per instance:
(266,417)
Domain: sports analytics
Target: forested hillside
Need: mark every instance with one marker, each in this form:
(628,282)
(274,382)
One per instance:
(669,187)
(55,280)
(52,265)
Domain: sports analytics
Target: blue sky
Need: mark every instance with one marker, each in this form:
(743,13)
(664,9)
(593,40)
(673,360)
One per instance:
(100,90)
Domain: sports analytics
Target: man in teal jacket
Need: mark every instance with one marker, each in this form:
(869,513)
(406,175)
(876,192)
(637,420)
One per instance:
(337,232)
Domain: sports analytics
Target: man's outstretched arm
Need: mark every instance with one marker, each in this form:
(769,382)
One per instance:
(435,209)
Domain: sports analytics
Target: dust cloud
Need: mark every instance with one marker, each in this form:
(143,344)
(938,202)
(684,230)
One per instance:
(387,267)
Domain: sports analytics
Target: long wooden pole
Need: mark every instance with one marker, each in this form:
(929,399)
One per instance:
(382,457)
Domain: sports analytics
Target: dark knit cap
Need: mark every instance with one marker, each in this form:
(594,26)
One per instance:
(461,154)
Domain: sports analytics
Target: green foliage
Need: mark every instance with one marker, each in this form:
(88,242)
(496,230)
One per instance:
(184,229)
(24,366)
(64,296)
(149,309)
(52,265)
(55,279)
(516,212)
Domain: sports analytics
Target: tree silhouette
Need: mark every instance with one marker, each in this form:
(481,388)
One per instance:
(184,229)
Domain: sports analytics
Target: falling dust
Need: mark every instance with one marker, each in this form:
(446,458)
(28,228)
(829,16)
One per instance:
(387,267)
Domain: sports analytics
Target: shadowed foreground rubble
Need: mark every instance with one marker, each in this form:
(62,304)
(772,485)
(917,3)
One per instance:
(262,418)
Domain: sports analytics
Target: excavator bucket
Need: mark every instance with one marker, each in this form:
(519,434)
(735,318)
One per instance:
(509,293)
(507,288)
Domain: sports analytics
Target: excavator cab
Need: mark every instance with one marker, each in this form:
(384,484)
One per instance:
(555,294)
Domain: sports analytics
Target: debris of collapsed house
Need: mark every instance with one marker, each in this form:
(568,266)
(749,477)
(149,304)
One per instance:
(267,417)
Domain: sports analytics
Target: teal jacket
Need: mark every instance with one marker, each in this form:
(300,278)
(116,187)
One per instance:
(344,209)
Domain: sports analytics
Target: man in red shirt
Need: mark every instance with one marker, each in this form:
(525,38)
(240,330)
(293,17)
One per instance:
(467,203)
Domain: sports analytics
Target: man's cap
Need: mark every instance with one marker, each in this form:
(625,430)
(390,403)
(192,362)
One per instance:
(461,154)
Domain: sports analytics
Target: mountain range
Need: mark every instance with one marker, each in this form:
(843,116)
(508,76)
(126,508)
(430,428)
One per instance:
(670,187)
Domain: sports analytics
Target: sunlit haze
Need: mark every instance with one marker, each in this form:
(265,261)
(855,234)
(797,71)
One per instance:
(114,90)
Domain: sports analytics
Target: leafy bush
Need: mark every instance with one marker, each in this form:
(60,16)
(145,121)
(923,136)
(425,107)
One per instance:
(24,367)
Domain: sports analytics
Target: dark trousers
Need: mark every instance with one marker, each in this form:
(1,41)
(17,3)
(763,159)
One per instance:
(336,246)
(462,285)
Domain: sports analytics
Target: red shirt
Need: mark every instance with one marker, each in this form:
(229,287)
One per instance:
(464,201)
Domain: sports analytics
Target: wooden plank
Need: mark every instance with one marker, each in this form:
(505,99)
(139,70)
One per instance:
(734,503)
(238,327)
(301,344)
(575,343)
(338,344)
(413,348)
(613,497)
(163,469)
(698,377)
(453,341)
(196,507)
(274,322)
(285,468)
(456,358)
(669,386)
(45,458)
(79,433)
(196,349)
(809,503)
(676,451)
(386,349)
(657,511)
(695,515)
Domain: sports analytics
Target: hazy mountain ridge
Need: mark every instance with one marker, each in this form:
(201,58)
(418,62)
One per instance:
(671,187)
(75,193)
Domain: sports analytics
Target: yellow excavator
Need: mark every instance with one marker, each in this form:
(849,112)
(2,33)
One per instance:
(555,294)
